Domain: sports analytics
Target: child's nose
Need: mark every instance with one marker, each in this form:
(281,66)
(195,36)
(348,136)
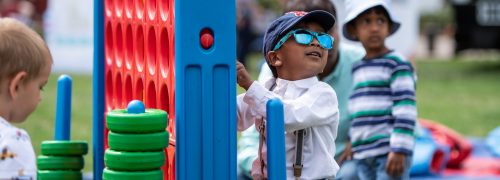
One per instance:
(314,42)
(374,27)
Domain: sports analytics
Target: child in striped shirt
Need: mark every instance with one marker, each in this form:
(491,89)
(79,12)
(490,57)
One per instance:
(382,104)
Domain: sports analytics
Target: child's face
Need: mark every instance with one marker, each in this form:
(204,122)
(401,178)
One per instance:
(28,95)
(371,28)
(296,61)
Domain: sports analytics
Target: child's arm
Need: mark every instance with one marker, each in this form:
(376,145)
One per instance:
(243,78)
(405,114)
(404,108)
(246,115)
(318,106)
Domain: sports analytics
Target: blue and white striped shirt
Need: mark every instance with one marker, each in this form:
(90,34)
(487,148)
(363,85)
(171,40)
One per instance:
(382,106)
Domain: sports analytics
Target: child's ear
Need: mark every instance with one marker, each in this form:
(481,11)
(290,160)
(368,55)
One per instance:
(351,29)
(274,59)
(16,82)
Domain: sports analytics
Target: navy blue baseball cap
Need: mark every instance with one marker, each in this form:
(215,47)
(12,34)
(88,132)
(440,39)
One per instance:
(286,22)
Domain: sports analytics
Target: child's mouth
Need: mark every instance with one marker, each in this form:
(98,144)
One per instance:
(314,53)
(374,39)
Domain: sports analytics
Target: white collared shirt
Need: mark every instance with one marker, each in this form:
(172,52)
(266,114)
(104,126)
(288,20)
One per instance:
(308,104)
(17,157)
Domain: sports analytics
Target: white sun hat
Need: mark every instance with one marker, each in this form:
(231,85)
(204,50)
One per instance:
(355,7)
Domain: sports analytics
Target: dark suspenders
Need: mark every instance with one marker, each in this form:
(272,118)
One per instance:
(299,144)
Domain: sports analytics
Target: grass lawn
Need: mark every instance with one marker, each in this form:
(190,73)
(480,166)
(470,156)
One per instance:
(463,95)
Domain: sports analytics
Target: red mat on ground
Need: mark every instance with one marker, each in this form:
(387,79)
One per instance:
(474,166)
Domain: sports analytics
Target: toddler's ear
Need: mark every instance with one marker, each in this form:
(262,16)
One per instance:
(273,59)
(15,83)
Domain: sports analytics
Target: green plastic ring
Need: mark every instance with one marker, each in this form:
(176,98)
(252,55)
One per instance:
(109,174)
(56,175)
(64,148)
(60,162)
(133,161)
(138,142)
(154,120)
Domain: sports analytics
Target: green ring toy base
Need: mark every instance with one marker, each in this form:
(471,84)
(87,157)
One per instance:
(154,120)
(64,148)
(60,162)
(109,174)
(133,161)
(57,175)
(138,142)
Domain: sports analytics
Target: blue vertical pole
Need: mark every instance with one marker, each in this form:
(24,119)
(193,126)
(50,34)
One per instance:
(276,140)
(205,77)
(98,90)
(63,108)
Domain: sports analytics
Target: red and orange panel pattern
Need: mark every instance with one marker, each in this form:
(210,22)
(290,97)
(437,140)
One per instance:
(139,60)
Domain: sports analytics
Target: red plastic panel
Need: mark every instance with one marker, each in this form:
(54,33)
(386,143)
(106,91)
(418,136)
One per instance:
(460,148)
(139,55)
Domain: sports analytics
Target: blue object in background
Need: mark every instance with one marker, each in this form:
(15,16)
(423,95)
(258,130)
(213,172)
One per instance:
(135,107)
(276,140)
(205,77)
(429,158)
(63,108)
(493,141)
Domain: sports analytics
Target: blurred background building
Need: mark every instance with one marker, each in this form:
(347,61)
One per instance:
(69,33)
(66,25)
(430,28)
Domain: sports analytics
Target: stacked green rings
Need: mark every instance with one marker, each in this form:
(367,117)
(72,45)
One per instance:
(153,120)
(61,160)
(136,144)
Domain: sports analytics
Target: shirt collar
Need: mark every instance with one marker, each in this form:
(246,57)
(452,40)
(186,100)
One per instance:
(303,83)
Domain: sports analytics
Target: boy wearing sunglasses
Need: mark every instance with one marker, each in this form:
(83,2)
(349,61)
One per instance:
(296,49)
(382,105)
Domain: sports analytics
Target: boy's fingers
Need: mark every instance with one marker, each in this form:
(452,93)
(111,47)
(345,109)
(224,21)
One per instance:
(395,169)
(399,169)
(389,168)
(240,67)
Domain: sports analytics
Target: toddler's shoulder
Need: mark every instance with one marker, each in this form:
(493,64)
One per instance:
(12,132)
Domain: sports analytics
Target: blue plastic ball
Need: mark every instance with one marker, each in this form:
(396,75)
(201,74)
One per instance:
(135,107)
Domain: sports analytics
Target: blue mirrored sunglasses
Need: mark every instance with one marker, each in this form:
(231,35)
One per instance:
(305,37)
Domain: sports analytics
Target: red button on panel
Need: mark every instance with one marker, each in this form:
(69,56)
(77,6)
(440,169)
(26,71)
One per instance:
(206,38)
